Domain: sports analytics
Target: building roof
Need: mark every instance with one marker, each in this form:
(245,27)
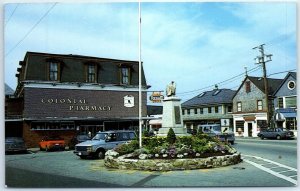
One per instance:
(293,74)
(272,83)
(8,90)
(154,110)
(74,68)
(216,96)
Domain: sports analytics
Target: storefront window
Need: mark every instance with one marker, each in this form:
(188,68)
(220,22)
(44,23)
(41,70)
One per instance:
(291,123)
(37,126)
(239,126)
(291,102)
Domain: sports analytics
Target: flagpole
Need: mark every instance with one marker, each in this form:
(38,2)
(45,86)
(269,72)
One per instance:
(140,80)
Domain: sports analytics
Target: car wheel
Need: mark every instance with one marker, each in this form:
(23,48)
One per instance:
(83,157)
(100,154)
(278,137)
(46,149)
(262,137)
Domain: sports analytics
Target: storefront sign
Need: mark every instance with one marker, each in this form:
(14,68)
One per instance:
(156,97)
(76,104)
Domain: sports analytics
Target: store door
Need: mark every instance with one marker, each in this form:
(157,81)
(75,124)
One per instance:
(249,129)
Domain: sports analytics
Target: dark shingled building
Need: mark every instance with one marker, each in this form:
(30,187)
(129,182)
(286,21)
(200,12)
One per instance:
(64,95)
(210,107)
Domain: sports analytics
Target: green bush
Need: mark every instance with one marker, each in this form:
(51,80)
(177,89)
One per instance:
(171,137)
(127,147)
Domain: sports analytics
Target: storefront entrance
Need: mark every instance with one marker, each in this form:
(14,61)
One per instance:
(250,128)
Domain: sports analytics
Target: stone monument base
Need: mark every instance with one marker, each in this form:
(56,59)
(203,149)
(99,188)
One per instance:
(178,131)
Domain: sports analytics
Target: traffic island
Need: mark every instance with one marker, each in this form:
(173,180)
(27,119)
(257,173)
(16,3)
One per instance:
(125,162)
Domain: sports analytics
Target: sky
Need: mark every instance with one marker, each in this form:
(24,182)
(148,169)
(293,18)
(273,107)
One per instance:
(197,45)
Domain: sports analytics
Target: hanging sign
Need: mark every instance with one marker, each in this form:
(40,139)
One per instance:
(156,97)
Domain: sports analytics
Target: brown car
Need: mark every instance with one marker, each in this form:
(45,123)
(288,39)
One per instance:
(52,143)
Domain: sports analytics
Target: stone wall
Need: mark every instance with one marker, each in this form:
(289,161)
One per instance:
(113,160)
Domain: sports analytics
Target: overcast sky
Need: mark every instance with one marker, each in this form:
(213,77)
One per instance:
(195,44)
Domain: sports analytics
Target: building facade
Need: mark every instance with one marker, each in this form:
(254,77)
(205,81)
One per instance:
(210,107)
(285,103)
(65,95)
(249,106)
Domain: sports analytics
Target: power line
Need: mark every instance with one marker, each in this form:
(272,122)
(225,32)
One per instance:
(31,29)
(281,72)
(11,15)
(197,90)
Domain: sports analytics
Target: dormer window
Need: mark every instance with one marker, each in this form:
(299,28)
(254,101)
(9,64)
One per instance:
(91,73)
(53,71)
(125,75)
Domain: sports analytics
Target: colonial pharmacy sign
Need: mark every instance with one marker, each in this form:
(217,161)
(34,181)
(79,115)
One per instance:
(67,103)
(76,104)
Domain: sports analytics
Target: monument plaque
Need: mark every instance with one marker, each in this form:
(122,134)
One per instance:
(177,115)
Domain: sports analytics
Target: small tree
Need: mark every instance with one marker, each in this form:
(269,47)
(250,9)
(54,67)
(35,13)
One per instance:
(171,137)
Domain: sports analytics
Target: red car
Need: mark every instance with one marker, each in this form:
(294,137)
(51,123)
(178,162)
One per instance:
(52,143)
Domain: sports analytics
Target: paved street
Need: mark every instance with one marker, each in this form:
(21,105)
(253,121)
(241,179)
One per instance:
(266,163)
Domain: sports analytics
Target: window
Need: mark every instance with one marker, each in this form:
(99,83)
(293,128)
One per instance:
(229,109)
(216,92)
(91,73)
(280,102)
(195,111)
(291,85)
(53,71)
(239,126)
(202,94)
(248,86)
(201,110)
(291,102)
(216,109)
(188,111)
(259,105)
(125,75)
(209,110)
(183,112)
(239,106)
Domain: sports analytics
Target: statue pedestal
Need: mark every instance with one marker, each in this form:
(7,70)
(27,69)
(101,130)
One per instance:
(172,117)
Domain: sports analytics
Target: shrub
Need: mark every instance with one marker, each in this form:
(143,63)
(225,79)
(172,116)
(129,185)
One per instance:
(127,147)
(171,137)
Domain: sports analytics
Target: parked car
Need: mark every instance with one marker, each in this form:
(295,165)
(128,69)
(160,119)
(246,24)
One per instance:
(102,142)
(215,130)
(52,143)
(275,133)
(15,144)
(78,139)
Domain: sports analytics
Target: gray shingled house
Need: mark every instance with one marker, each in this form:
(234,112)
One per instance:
(249,105)
(210,107)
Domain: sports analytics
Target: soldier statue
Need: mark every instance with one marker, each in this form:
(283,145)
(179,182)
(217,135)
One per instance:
(171,89)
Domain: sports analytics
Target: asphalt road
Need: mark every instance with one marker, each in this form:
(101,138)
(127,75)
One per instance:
(66,170)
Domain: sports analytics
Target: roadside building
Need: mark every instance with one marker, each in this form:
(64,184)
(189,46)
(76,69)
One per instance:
(285,103)
(13,113)
(155,113)
(249,105)
(64,95)
(210,107)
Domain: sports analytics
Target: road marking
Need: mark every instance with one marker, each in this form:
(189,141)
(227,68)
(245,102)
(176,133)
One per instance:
(268,170)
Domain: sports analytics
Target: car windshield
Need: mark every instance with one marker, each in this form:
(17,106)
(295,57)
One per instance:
(100,136)
(82,137)
(217,128)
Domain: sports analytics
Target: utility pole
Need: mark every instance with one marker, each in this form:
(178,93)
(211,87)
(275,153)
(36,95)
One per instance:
(262,59)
